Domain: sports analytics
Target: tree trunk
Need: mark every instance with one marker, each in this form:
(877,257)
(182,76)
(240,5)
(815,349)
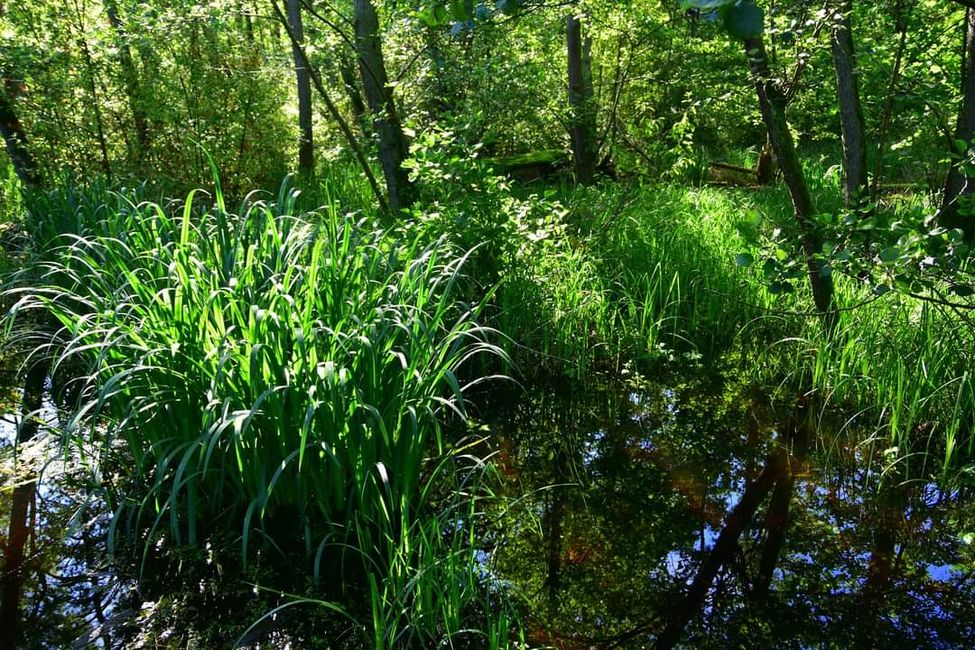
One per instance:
(14,569)
(891,503)
(900,19)
(306,145)
(392,142)
(351,84)
(554,518)
(13,136)
(333,110)
(772,104)
(130,78)
(581,119)
(437,103)
(92,82)
(776,523)
(851,112)
(958,187)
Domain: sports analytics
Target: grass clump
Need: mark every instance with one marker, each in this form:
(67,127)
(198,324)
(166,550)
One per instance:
(279,379)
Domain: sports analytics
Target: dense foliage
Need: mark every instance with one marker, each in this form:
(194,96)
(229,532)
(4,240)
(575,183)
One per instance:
(283,405)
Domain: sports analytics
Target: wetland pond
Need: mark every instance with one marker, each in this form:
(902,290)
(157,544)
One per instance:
(691,510)
(696,510)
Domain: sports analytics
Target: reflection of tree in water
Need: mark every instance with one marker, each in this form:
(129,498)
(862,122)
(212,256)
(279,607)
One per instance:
(634,488)
(57,589)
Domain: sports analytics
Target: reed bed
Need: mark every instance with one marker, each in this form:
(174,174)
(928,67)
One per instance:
(280,379)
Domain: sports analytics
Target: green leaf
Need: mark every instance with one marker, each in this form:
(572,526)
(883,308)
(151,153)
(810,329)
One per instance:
(744,20)
(705,5)
(434,15)
(744,259)
(459,12)
(508,7)
(891,254)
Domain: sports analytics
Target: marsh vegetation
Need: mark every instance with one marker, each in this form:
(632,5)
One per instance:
(487,325)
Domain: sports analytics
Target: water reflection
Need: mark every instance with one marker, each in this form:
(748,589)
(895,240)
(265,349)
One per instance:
(633,494)
(59,591)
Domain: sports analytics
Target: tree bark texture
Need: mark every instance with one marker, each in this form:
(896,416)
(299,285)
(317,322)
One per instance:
(130,77)
(958,186)
(852,123)
(306,144)
(15,568)
(772,103)
(582,122)
(379,96)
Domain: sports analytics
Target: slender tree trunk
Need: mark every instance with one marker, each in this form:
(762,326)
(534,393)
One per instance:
(306,145)
(772,104)
(14,567)
(333,110)
(555,515)
(351,84)
(900,18)
(891,502)
(582,121)
(851,111)
(437,102)
(392,141)
(14,137)
(130,78)
(958,186)
(776,524)
(91,78)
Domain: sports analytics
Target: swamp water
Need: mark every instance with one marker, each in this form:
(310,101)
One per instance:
(691,508)
(625,491)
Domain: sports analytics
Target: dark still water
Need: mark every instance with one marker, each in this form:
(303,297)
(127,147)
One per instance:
(690,511)
(701,513)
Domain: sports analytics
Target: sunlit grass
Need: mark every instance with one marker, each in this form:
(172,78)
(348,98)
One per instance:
(279,378)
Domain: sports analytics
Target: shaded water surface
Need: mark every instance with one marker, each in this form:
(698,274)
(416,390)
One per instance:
(698,512)
(691,511)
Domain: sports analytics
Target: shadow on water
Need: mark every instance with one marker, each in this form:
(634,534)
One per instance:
(698,511)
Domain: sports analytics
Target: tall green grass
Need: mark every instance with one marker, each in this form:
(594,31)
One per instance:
(278,378)
(645,274)
(901,367)
(649,272)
